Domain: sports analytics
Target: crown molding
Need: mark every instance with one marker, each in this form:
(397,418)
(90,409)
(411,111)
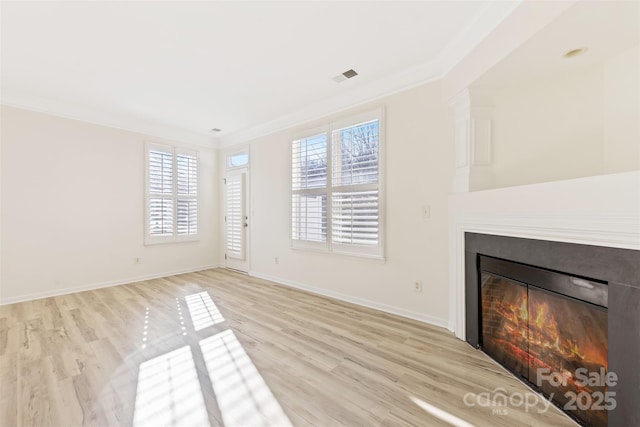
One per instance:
(358,95)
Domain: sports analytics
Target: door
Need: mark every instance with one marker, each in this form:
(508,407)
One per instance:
(236,220)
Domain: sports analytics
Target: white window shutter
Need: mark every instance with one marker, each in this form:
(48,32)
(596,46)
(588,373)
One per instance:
(160,216)
(336,193)
(234,216)
(187,170)
(309,217)
(160,192)
(309,162)
(355,218)
(160,172)
(187,192)
(309,180)
(171,194)
(187,217)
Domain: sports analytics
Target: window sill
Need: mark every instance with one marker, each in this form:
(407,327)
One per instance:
(378,259)
(160,241)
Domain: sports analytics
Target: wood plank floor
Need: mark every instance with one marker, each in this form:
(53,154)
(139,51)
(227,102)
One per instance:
(160,352)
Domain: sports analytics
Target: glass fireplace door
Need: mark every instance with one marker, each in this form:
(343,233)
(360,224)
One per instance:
(550,329)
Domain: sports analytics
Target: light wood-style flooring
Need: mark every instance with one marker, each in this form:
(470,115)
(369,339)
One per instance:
(221,348)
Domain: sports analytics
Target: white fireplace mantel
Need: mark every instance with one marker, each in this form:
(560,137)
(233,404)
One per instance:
(600,210)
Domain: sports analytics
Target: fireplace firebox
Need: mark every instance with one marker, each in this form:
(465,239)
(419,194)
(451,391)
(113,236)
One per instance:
(538,323)
(615,270)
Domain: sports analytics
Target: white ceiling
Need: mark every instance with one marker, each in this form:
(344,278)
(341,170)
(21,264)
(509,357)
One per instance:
(178,69)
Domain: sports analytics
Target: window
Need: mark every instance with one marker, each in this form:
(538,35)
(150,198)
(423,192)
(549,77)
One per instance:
(336,190)
(239,159)
(171,194)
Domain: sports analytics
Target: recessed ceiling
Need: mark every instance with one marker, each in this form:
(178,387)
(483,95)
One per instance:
(602,28)
(237,66)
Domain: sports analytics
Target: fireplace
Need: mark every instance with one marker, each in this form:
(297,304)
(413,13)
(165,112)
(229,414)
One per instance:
(606,307)
(586,227)
(536,322)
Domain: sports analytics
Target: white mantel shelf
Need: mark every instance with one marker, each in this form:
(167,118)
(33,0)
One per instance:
(600,210)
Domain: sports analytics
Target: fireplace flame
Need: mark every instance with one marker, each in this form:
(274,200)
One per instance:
(524,313)
(575,351)
(594,354)
(544,335)
(542,314)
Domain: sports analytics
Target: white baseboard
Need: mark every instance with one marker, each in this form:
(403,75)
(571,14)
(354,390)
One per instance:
(451,326)
(431,320)
(65,291)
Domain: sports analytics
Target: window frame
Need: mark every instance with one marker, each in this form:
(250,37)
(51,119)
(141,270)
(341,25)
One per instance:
(376,252)
(238,152)
(175,151)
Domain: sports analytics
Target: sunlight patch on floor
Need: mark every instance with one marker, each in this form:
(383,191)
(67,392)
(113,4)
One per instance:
(204,312)
(169,393)
(441,414)
(243,396)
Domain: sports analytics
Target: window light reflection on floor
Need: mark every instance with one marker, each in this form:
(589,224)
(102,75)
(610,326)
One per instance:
(243,396)
(441,414)
(203,311)
(169,393)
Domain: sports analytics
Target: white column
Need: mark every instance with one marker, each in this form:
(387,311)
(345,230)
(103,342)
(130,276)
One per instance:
(473,134)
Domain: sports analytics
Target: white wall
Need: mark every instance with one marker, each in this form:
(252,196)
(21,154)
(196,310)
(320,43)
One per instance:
(574,125)
(72,208)
(419,169)
(622,112)
(549,130)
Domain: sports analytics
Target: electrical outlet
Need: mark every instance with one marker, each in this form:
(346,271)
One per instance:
(276,260)
(417,286)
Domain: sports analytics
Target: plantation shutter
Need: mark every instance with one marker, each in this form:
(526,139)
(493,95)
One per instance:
(336,192)
(309,189)
(160,192)
(234,216)
(187,192)
(355,218)
(355,203)
(309,217)
(171,194)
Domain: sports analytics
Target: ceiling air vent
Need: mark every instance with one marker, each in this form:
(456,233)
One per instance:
(350,73)
(345,76)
